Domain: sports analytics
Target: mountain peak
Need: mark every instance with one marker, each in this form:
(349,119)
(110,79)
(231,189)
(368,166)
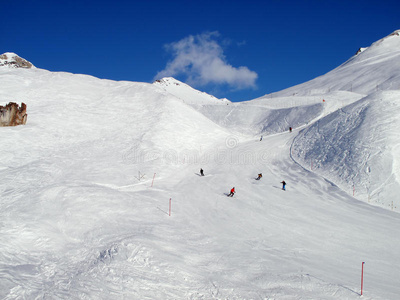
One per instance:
(374,68)
(396,32)
(186,93)
(391,38)
(12,60)
(168,81)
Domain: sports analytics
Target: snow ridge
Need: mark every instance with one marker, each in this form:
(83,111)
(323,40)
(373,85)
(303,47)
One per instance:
(374,69)
(188,94)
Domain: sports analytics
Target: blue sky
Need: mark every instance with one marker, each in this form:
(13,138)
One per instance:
(239,50)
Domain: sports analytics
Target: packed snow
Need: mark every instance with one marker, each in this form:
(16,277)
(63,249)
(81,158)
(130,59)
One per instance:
(102,197)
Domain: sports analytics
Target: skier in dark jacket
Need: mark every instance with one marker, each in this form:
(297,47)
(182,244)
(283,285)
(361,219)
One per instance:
(232,192)
(283,185)
(201,172)
(259,176)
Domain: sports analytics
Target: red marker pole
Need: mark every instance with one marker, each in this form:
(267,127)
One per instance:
(153,179)
(362,277)
(169,206)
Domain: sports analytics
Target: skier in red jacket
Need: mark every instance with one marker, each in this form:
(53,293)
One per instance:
(232,192)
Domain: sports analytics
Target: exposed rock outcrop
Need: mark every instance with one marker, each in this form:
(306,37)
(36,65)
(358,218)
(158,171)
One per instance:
(13,115)
(12,60)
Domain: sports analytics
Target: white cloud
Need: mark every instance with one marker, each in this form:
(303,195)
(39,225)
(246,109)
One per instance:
(201,59)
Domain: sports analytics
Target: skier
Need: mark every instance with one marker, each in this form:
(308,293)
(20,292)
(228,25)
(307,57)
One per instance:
(232,192)
(290,129)
(201,172)
(259,176)
(283,185)
(261,138)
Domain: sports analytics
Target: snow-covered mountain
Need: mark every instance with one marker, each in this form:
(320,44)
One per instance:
(101,196)
(346,148)
(371,70)
(357,145)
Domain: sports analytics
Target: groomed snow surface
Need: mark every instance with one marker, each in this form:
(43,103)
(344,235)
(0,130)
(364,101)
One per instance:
(80,218)
(86,187)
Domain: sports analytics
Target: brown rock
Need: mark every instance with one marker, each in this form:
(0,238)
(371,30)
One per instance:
(12,60)
(13,115)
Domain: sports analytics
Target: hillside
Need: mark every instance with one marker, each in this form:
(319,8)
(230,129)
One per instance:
(355,151)
(357,148)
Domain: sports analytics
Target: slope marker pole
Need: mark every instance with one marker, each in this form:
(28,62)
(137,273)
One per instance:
(153,179)
(170,206)
(362,277)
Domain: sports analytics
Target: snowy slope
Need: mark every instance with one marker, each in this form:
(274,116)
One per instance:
(354,147)
(82,218)
(374,69)
(357,147)
(152,125)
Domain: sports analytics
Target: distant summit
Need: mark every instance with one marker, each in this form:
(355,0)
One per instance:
(12,60)
(188,94)
(374,68)
(393,34)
